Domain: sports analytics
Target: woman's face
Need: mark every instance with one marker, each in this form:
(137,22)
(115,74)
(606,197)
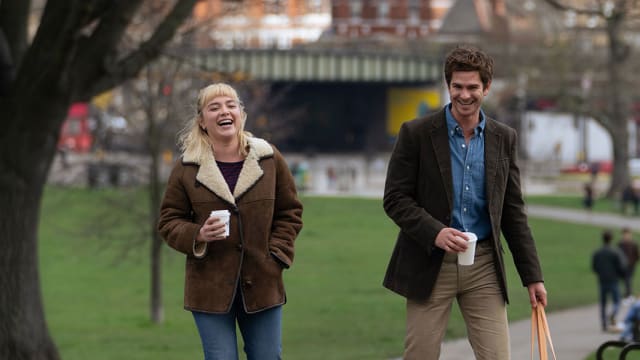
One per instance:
(222,118)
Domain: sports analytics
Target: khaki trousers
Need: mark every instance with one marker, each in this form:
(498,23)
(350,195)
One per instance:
(481,303)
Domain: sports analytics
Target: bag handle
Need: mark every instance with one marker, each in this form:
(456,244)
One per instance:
(540,329)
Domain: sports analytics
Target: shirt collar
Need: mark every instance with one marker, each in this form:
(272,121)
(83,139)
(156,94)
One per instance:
(452,124)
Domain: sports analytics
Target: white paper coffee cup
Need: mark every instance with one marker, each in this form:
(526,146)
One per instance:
(224,216)
(466,257)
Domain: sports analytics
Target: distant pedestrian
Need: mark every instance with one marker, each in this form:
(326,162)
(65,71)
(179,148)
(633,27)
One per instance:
(630,196)
(594,169)
(630,250)
(588,196)
(608,263)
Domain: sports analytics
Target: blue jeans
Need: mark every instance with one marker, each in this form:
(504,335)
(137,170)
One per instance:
(260,331)
(605,290)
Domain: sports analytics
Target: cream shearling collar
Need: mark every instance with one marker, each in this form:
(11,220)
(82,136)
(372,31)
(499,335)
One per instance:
(210,176)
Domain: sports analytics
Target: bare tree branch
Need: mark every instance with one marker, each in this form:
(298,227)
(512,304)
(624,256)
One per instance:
(54,41)
(94,50)
(13,22)
(561,6)
(129,66)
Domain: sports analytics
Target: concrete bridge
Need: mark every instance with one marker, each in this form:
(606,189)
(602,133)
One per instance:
(345,100)
(303,65)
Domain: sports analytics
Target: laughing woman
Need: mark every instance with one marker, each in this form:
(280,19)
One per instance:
(234,278)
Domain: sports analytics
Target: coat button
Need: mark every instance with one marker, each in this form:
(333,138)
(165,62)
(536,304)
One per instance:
(239,247)
(248,283)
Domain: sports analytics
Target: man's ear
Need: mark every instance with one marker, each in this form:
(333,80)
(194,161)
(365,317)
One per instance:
(486,88)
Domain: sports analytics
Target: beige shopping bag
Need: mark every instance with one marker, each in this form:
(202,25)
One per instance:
(540,330)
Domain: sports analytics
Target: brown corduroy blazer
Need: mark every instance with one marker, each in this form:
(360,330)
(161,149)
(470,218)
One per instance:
(418,198)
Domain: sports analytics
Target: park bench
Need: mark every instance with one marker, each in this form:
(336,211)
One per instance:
(626,346)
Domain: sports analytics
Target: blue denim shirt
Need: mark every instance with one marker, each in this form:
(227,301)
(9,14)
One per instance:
(470,212)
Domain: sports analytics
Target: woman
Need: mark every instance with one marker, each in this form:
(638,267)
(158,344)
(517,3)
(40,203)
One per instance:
(236,277)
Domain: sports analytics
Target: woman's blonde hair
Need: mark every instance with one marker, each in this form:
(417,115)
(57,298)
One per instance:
(193,140)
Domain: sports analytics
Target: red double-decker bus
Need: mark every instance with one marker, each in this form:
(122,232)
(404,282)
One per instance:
(76,133)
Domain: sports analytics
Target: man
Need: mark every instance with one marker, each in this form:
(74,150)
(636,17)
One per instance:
(609,265)
(629,249)
(450,172)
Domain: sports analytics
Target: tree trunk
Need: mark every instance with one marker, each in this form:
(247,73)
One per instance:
(27,146)
(617,111)
(157,308)
(620,177)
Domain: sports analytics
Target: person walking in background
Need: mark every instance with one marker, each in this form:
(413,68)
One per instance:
(235,277)
(629,249)
(630,197)
(451,172)
(609,265)
(588,196)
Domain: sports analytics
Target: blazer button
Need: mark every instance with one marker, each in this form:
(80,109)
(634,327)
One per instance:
(239,247)
(248,283)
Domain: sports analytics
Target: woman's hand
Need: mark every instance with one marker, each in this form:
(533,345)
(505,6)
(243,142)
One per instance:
(212,230)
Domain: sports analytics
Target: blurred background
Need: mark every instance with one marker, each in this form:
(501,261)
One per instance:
(330,83)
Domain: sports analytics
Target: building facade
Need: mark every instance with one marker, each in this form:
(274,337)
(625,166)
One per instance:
(400,18)
(282,24)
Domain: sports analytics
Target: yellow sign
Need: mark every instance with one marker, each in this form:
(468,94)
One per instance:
(404,104)
(103,100)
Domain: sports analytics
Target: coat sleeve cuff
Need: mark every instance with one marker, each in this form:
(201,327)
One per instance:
(199,248)
(280,261)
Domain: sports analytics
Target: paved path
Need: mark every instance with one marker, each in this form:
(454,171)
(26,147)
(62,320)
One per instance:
(576,334)
(615,222)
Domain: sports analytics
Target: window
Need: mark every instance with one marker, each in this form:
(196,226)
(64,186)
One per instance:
(356,8)
(314,6)
(383,10)
(275,6)
(413,11)
(232,7)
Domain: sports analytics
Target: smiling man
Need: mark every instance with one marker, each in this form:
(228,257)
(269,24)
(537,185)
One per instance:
(450,173)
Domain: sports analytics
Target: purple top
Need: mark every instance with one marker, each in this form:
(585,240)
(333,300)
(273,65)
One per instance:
(230,171)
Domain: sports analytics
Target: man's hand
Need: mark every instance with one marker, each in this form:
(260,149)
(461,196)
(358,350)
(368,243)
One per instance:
(451,240)
(537,294)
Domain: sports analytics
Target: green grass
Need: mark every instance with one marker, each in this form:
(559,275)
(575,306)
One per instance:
(601,205)
(95,280)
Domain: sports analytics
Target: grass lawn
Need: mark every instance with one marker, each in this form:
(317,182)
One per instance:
(575,202)
(95,280)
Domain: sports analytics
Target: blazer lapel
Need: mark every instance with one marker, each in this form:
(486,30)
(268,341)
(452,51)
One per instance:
(492,145)
(440,142)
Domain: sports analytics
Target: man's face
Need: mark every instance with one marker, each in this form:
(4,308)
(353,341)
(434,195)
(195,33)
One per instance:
(466,92)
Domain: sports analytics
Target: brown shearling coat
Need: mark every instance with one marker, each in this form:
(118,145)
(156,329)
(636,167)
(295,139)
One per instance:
(418,197)
(266,217)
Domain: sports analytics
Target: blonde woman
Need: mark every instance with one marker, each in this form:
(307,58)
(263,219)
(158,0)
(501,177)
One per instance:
(235,278)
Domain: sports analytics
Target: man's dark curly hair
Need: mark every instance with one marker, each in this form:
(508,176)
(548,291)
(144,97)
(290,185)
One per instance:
(469,58)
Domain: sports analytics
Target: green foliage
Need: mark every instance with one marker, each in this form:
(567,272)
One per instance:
(97,299)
